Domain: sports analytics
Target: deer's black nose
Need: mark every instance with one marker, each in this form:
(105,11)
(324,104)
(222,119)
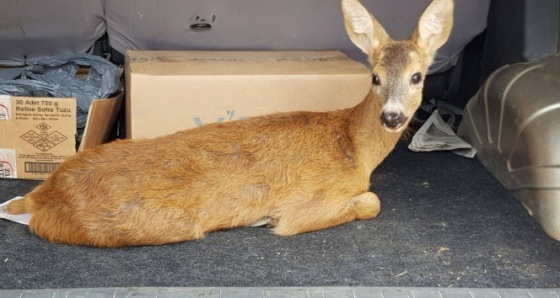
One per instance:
(393,120)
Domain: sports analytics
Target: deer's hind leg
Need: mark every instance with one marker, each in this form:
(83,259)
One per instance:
(16,206)
(321,214)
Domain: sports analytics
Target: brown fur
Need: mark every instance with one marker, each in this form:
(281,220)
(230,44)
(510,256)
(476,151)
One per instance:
(298,172)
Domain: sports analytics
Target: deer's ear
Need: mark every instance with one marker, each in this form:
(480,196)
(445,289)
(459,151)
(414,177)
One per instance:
(364,31)
(434,26)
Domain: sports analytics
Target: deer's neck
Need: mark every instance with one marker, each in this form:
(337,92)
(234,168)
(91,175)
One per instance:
(371,141)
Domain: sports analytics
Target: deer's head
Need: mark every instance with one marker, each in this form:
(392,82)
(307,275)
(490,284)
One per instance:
(398,67)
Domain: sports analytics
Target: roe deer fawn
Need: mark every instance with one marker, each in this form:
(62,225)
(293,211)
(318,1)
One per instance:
(296,172)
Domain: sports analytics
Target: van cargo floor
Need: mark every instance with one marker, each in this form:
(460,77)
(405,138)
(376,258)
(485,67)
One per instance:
(445,222)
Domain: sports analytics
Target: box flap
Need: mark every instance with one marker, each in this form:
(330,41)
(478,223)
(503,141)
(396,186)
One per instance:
(235,63)
(101,117)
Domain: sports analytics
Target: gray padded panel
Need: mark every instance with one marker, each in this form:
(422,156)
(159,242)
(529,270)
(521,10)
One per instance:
(274,25)
(520,31)
(31,29)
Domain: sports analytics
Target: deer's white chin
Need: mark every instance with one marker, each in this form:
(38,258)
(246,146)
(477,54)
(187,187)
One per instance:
(394,129)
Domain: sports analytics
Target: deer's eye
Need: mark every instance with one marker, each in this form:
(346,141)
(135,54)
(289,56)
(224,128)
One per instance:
(375,80)
(416,78)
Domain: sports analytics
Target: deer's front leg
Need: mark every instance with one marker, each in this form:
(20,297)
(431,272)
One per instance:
(366,205)
(325,213)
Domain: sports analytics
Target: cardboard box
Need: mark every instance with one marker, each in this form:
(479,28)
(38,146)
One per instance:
(37,134)
(168,91)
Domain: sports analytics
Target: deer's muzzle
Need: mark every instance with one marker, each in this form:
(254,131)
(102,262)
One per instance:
(393,121)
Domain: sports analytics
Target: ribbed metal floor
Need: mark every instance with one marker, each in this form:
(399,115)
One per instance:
(335,292)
